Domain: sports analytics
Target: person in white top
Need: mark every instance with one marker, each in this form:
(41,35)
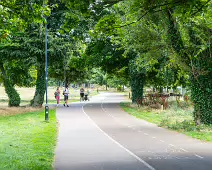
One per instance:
(66,94)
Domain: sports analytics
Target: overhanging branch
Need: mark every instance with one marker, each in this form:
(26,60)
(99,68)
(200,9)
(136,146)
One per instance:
(199,9)
(150,9)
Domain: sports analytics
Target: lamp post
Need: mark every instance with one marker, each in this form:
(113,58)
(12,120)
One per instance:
(46,72)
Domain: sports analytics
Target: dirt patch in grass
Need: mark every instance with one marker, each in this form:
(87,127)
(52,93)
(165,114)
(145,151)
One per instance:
(8,111)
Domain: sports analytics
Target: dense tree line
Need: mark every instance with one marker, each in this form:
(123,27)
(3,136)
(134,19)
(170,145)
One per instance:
(137,42)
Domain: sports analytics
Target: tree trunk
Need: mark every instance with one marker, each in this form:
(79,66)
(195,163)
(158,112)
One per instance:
(66,82)
(161,89)
(137,81)
(201,74)
(137,85)
(59,83)
(202,97)
(14,97)
(38,98)
(201,88)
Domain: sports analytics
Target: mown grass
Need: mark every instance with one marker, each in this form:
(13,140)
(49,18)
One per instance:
(175,118)
(27,141)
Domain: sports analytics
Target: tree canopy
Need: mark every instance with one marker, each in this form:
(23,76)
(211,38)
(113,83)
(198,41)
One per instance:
(138,42)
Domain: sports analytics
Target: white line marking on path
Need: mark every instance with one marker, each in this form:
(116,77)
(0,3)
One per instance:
(146,134)
(162,141)
(121,146)
(171,145)
(102,105)
(183,150)
(199,156)
(103,108)
(153,137)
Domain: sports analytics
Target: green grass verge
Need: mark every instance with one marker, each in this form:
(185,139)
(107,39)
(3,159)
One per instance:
(27,141)
(175,118)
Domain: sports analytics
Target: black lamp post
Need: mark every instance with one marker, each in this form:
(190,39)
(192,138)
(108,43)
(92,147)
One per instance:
(46,71)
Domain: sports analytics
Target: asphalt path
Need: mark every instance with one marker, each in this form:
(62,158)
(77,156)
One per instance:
(99,135)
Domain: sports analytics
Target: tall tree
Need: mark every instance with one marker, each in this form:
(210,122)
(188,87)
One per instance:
(172,17)
(16,16)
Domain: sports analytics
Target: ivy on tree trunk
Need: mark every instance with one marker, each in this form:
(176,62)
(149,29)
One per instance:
(38,98)
(137,86)
(201,87)
(14,97)
(137,80)
(201,74)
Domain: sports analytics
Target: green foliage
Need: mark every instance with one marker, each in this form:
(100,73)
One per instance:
(103,52)
(118,81)
(17,14)
(82,6)
(16,63)
(98,76)
(106,25)
(77,70)
(67,62)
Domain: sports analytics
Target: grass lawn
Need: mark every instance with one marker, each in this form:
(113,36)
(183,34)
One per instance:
(175,118)
(27,141)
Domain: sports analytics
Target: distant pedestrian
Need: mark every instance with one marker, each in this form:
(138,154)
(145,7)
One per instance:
(57,95)
(82,91)
(66,94)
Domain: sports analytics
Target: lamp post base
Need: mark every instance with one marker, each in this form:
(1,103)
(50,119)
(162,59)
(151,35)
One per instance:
(46,113)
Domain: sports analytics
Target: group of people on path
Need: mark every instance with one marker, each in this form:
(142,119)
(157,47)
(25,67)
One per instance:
(65,94)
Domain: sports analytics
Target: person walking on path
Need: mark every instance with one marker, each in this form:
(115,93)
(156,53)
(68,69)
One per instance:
(57,95)
(66,94)
(82,91)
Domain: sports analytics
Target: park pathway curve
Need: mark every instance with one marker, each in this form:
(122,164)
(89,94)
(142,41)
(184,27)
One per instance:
(99,135)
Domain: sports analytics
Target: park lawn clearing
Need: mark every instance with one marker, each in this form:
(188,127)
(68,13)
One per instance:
(174,118)
(27,141)
(27,94)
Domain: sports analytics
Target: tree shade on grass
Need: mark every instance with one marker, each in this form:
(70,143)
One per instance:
(27,141)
